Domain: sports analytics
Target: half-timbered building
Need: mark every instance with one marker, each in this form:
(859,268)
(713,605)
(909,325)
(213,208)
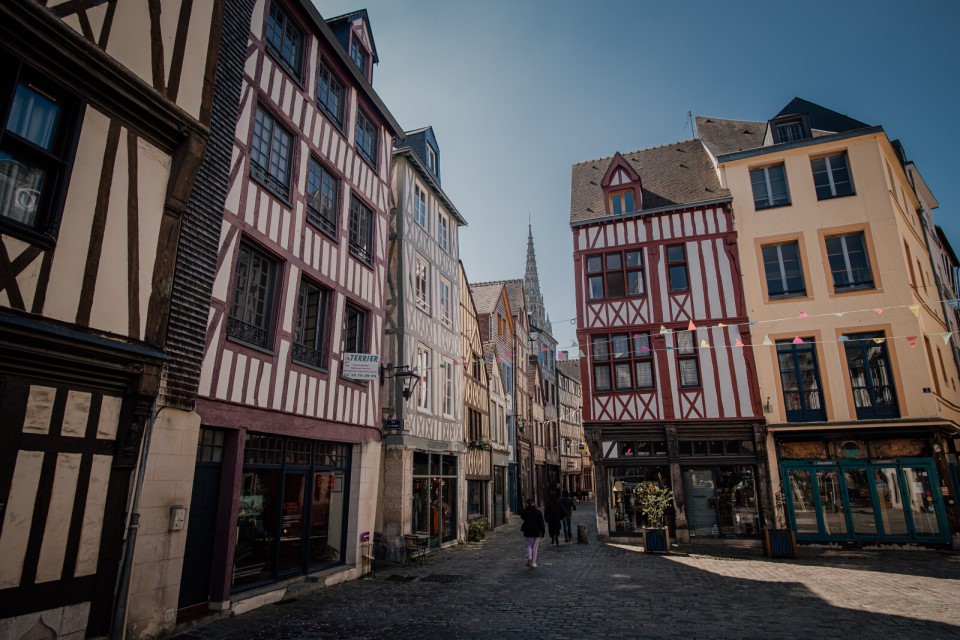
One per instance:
(524,433)
(478,468)
(288,463)
(496,331)
(575,479)
(107,111)
(424,486)
(670,393)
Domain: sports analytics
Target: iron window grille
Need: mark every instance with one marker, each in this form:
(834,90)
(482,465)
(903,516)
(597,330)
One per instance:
(361,231)
(871,377)
(38,141)
(310,336)
(284,39)
(688,362)
(323,198)
(781,264)
(800,379)
(270,154)
(831,176)
(615,275)
(366,137)
(677,268)
(330,94)
(849,262)
(252,309)
(769,187)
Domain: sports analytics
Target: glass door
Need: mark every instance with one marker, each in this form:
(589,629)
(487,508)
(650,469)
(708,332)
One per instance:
(831,502)
(291,523)
(860,498)
(920,503)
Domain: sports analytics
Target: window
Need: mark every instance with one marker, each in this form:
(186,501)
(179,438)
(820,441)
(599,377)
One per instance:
(359,56)
(687,359)
(615,275)
(270,154)
(37,144)
(781,263)
(330,94)
(501,325)
(251,312)
(420,206)
(284,39)
(849,262)
(622,202)
(622,362)
(443,232)
(790,131)
(423,370)
(677,268)
(322,198)
(422,282)
(361,231)
(309,338)
(800,379)
(445,316)
(354,330)
(769,187)
(871,378)
(447,387)
(366,137)
(431,160)
(831,176)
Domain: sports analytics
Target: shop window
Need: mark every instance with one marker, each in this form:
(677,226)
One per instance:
(361,231)
(615,275)
(721,501)
(323,198)
(643,448)
(677,268)
(251,314)
(310,335)
(435,497)
(871,376)
(800,380)
(37,144)
(628,517)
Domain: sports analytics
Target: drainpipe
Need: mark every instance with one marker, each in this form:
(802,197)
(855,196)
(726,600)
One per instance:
(126,563)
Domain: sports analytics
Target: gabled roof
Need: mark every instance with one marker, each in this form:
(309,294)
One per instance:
(515,293)
(726,136)
(819,117)
(486,295)
(341,27)
(673,176)
(569,368)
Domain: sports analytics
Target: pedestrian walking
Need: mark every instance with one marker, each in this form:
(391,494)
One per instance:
(569,506)
(533,529)
(553,513)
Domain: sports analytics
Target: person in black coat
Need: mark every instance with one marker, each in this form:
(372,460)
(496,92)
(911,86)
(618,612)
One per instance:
(553,513)
(533,529)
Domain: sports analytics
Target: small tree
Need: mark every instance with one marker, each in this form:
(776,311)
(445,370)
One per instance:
(653,500)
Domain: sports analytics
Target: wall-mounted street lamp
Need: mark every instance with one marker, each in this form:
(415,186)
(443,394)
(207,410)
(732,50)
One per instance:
(406,379)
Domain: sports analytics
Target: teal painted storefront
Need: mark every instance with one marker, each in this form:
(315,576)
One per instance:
(871,501)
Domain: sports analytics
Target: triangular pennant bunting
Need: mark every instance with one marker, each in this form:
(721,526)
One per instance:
(704,344)
(912,341)
(767,342)
(797,340)
(738,343)
(691,326)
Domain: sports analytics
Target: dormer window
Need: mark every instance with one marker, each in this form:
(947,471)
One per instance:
(790,130)
(359,56)
(622,202)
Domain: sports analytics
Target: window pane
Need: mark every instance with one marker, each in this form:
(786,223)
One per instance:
(628,202)
(644,375)
(641,345)
(601,377)
(616,287)
(594,264)
(613,261)
(601,348)
(616,204)
(685,342)
(21,187)
(635,283)
(758,181)
(841,175)
(33,117)
(778,185)
(678,278)
(621,346)
(689,373)
(676,253)
(634,258)
(622,371)
(595,284)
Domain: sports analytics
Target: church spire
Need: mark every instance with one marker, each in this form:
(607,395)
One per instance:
(531,284)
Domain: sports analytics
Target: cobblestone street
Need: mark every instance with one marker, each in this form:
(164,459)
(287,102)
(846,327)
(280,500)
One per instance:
(485,590)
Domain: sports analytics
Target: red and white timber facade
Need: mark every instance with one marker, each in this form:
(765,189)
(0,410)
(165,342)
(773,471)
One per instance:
(670,392)
(294,443)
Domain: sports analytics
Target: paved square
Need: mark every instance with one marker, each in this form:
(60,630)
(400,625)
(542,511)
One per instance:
(486,590)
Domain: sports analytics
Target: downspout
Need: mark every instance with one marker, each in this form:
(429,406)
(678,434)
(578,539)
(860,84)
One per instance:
(126,563)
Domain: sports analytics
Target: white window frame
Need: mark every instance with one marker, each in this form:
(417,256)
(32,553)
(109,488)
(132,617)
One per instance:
(443,231)
(445,306)
(829,167)
(421,279)
(447,406)
(420,206)
(423,370)
(769,188)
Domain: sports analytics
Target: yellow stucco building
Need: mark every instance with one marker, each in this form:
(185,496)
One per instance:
(851,321)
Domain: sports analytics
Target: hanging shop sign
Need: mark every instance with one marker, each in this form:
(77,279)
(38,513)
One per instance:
(361,366)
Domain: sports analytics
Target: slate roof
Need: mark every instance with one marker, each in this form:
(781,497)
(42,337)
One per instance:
(341,26)
(486,296)
(727,136)
(515,295)
(570,368)
(671,176)
(820,117)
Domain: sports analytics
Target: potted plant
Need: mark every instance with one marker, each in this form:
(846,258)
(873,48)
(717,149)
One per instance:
(779,541)
(477,529)
(654,500)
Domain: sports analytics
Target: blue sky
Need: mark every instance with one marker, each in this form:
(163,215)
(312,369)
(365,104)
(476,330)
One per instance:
(519,91)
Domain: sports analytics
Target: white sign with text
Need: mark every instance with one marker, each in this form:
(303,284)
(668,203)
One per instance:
(361,366)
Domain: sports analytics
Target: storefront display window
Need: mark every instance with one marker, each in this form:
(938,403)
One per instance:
(475,498)
(721,501)
(292,507)
(626,517)
(435,496)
